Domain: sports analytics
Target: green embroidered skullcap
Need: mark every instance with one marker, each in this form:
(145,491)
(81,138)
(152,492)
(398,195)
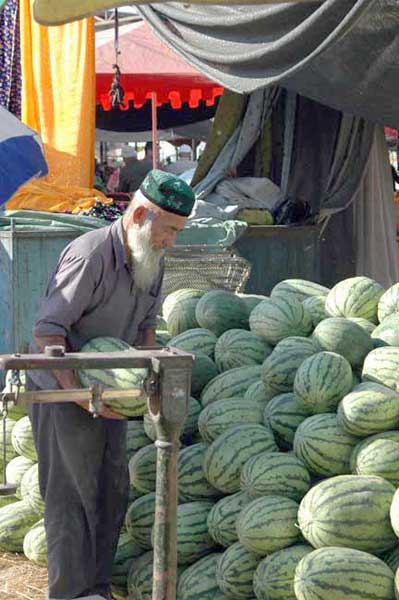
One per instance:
(168,192)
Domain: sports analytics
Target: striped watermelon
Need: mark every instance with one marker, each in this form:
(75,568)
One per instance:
(139,579)
(127,550)
(136,437)
(35,544)
(15,521)
(10,448)
(6,500)
(227,455)
(385,435)
(175,297)
(182,317)
(389,303)
(219,311)
(283,414)
(316,307)
(368,326)
(277,319)
(345,338)
(268,524)
(275,474)
(204,370)
(30,490)
(22,439)
(251,300)
(193,484)
(322,381)
(394,513)
(237,348)
(193,539)
(382,366)
(161,324)
(195,340)
(143,469)
(115,378)
(219,416)
(350,511)
(198,582)
(340,573)
(139,520)
(300,289)
(323,446)
(274,577)
(190,426)
(235,571)
(259,392)
(387,333)
(230,384)
(15,411)
(379,457)
(369,408)
(391,558)
(279,369)
(223,516)
(355,297)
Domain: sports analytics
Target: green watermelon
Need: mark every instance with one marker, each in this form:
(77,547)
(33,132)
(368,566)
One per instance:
(323,446)
(230,384)
(277,319)
(127,550)
(275,474)
(223,516)
(369,408)
(15,521)
(316,307)
(300,289)
(139,520)
(338,573)
(350,511)
(363,444)
(35,544)
(15,470)
(182,317)
(237,348)
(161,324)
(391,558)
(279,369)
(30,490)
(389,303)
(22,439)
(345,338)
(274,577)
(368,326)
(11,451)
(115,378)
(284,413)
(394,513)
(226,456)
(139,579)
(387,333)
(143,469)
(235,571)
(219,311)
(193,484)
(190,425)
(195,340)
(268,524)
(322,381)
(193,539)
(251,300)
(198,581)
(136,437)
(204,371)
(379,457)
(259,392)
(219,416)
(382,366)
(355,297)
(175,297)
(6,500)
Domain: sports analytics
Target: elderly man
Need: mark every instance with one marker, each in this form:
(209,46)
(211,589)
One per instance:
(133,173)
(107,283)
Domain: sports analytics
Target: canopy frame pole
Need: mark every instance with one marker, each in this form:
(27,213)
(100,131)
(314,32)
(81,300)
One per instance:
(154,130)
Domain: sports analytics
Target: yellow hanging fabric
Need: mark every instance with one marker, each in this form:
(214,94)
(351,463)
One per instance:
(58,94)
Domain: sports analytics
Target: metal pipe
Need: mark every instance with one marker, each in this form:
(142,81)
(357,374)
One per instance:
(154,130)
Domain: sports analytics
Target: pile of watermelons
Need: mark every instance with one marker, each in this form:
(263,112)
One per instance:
(289,462)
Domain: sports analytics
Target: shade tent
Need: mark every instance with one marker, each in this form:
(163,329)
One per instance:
(148,66)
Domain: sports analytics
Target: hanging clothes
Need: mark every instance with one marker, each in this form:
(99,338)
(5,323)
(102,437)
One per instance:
(10,58)
(58,95)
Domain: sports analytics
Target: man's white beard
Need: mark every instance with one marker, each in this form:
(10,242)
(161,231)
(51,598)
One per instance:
(145,259)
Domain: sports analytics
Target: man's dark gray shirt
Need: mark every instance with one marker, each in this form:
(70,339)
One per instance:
(91,294)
